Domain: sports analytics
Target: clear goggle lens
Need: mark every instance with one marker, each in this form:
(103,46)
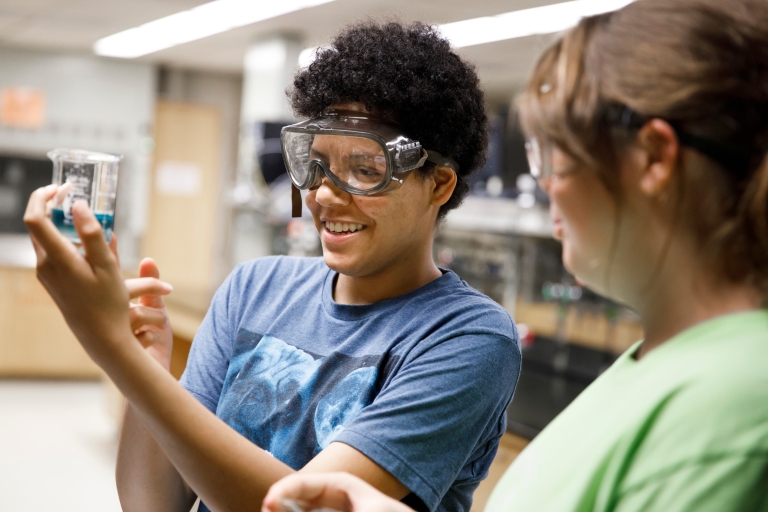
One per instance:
(358,163)
(297,152)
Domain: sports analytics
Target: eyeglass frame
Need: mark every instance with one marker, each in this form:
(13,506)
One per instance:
(732,158)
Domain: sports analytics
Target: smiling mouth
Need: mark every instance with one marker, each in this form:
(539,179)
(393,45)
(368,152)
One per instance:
(343,227)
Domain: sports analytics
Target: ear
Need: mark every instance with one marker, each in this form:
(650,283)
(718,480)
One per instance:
(662,147)
(444,180)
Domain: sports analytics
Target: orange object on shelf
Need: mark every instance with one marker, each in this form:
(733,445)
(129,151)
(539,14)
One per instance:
(22,107)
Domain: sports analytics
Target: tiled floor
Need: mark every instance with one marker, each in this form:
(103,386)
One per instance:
(57,448)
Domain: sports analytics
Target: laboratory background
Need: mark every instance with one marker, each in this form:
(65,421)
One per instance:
(192,94)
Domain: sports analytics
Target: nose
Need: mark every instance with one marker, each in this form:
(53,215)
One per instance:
(329,195)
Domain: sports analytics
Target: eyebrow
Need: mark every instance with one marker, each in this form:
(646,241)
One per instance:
(359,156)
(318,153)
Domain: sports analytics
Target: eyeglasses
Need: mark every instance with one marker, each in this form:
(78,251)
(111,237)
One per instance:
(539,154)
(732,158)
(539,161)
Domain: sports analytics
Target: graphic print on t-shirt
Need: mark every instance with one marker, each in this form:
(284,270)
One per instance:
(290,402)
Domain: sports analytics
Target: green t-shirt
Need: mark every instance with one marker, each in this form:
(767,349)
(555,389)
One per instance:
(683,429)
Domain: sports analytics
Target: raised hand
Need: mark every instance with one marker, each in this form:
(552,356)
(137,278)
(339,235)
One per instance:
(339,491)
(222,467)
(87,288)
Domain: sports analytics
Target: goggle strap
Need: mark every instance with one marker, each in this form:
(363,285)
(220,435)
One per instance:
(295,201)
(424,158)
(445,161)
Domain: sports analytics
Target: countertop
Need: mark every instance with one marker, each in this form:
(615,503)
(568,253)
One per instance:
(500,215)
(17,251)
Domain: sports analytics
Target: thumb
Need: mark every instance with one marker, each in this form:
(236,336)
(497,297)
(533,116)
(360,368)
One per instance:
(91,235)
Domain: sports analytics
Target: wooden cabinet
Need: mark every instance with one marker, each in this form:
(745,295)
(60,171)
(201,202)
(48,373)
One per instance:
(185,211)
(581,327)
(35,341)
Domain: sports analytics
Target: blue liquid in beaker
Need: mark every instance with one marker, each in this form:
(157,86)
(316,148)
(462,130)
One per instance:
(67,228)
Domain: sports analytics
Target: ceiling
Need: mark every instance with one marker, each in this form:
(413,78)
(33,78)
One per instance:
(74,25)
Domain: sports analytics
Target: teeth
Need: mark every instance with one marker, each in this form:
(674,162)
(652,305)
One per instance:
(338,227)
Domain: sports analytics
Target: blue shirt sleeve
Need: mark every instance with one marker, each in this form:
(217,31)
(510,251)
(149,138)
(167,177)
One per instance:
(211,350)
(443,411)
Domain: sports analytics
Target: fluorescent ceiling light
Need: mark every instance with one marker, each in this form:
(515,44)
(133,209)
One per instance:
(526,22)
(202,21)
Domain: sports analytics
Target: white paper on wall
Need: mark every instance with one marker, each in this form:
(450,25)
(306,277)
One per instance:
(178,178)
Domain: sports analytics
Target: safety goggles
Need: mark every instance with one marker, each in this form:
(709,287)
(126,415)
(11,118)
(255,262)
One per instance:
(734,159)
(357,152)
(539,158)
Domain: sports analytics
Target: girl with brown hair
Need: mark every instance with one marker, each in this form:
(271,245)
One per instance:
(648,128)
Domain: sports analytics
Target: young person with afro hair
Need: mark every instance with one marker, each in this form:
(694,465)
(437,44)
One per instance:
(370,360)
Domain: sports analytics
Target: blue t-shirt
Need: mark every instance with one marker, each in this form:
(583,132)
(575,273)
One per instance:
(418,383)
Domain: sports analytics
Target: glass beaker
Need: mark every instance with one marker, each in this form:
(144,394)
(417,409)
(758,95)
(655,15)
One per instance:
(91,177)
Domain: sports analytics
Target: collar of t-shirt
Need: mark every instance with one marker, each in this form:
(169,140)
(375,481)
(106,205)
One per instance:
(356,311)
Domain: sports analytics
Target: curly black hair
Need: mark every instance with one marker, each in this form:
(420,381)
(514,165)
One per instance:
(409,75)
